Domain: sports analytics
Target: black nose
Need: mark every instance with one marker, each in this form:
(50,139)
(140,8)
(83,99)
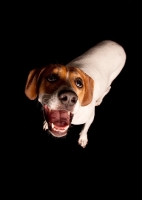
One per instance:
(68,98)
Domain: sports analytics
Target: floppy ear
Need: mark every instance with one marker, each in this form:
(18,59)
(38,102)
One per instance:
(89,88)
(31,89)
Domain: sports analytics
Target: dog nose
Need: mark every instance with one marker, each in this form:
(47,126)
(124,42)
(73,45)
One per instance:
(68,98)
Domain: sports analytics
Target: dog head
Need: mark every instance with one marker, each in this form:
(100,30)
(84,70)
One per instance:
(61,90)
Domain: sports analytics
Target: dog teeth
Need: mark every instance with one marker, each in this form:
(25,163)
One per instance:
(55,129)
(52,125)
(68,112)
(67,127)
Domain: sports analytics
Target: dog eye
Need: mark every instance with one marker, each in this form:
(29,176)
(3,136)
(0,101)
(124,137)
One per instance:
(79,83)
(52,78)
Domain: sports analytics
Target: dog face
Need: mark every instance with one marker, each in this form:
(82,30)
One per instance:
(61,90)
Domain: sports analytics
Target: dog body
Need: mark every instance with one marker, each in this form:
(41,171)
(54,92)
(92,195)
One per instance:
(70,93)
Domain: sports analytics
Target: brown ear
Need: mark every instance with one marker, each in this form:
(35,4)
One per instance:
(89,88)
(32,83)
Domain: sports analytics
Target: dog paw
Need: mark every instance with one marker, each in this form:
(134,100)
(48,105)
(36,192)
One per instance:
(83,141)
(45,125)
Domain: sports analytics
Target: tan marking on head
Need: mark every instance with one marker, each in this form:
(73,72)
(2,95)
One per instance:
(85,93)
(49,87)
(38,83)
(32,81)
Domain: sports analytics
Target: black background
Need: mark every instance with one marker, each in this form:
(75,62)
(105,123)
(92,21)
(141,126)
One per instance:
(58,33)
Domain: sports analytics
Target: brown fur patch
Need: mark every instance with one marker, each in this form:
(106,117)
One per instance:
(37,82)
(85,93)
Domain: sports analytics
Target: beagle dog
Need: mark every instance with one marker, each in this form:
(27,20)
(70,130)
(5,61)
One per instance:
(70,93)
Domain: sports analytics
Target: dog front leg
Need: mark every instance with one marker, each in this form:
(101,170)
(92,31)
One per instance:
(83,140)
(45,125)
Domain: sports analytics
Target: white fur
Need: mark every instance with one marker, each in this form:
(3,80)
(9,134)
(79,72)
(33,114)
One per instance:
(102,63)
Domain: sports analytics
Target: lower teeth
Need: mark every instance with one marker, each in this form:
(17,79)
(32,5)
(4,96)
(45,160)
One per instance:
(60,130)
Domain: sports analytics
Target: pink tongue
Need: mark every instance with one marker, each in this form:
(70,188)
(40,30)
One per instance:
(59,118)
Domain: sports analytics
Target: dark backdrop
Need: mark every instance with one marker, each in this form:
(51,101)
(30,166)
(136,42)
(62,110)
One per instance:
(57,34)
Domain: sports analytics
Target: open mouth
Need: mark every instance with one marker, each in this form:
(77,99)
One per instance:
(58,121)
